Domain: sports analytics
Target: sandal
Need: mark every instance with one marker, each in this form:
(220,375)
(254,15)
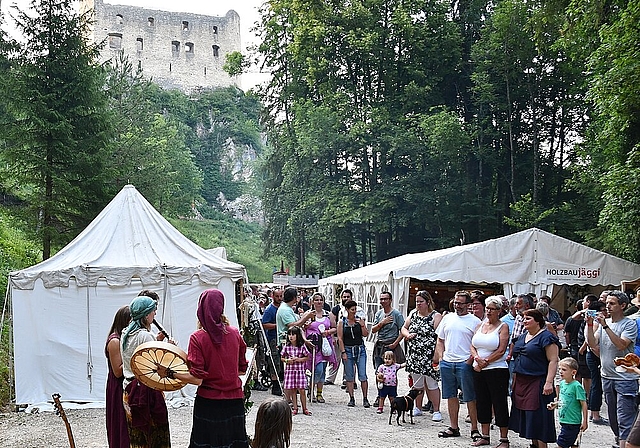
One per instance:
(504,443)
(475,435)
(481,441)
(294,412)
(449,432)
(306,412)
(379,411)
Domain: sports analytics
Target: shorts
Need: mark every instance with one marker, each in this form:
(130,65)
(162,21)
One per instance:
(388,391)
(568,435)
(457,375)
(420,380)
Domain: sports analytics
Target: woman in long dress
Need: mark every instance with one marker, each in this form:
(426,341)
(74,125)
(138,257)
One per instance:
(535,354)
(217,359)
(117,433)
(145,408)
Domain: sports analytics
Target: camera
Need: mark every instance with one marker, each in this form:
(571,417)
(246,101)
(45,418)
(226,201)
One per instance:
(591,313)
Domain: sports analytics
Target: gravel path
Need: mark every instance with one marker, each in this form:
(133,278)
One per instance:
(332,424)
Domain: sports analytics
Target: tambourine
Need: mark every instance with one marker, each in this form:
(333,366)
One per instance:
(147,357)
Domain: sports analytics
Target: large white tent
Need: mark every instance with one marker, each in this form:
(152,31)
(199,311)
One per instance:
(63,307)
(529,261)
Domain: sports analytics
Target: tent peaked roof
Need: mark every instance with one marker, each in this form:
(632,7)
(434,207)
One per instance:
(531,256)
(128,239)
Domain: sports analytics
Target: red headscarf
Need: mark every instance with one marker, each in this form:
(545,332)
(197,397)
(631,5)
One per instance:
(210,307)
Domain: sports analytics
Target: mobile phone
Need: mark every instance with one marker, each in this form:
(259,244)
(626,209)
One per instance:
(592,313)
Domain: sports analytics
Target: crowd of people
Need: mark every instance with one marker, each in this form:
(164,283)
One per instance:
(478,352)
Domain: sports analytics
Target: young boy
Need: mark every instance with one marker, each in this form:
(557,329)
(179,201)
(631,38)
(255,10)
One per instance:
(572,405)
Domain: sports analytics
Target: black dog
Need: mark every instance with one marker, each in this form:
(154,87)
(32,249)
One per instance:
(402,405)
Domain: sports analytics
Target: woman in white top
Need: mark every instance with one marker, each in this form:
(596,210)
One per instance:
(491,373)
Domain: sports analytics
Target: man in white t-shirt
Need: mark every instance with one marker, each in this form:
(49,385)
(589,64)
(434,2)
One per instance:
(453,351)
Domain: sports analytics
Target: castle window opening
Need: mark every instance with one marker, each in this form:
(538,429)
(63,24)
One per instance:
(185,25)
(205,71)
(215,29)
(216,51)
(139,44)
(151,21)
(139,65)
(115,41)
(188,47)
(175,47)
(169,66)
(119,19)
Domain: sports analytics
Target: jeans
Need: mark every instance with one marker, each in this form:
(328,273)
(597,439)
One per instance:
(356,357)
(620,396)
(595,393)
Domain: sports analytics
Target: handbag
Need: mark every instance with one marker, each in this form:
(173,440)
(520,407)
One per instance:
(326,346)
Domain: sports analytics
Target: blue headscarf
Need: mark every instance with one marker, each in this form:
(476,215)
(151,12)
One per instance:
(140,307)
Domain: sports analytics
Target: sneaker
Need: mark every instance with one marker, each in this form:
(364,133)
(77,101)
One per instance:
(352,402)
(437,417)
(416,412)
(328,383)
(366,403)
(376,402)
(344,385)
(276,390)
(428,407)
(259,387)
(600,421)
(379,411)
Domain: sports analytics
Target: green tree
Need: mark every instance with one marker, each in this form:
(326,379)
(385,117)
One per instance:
(149,150)
(348,78)
(57,125)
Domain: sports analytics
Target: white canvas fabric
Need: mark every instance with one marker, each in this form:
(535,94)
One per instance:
(64,306)
(531,260)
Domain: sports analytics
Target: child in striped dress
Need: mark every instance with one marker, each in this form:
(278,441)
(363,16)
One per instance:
(294,356)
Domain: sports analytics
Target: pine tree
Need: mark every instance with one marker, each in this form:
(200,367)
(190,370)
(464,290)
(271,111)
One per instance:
(57,122)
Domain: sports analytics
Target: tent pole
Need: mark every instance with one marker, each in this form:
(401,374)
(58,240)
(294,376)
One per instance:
(89,357)
(6,312)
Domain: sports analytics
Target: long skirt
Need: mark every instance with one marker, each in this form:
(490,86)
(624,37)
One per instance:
(147,417)
(536,422)
(218,424)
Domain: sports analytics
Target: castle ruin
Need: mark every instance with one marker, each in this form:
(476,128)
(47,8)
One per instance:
(177,50)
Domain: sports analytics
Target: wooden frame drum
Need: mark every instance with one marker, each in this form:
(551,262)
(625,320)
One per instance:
(147,357)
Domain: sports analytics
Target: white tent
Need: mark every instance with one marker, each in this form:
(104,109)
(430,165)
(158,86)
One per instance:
(63,307)
(529,261)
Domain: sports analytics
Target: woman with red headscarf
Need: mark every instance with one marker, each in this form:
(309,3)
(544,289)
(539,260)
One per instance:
(217,359)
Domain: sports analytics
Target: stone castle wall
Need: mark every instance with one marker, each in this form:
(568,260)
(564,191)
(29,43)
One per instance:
(177,50)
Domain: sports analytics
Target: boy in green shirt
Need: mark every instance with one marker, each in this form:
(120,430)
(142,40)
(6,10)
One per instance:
(572,405)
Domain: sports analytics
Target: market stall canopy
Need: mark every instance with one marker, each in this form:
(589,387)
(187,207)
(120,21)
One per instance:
(531,260)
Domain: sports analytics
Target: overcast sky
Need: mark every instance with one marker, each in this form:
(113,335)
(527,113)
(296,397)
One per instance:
(247,9)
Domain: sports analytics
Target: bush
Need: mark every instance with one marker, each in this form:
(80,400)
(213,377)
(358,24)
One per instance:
(17,251)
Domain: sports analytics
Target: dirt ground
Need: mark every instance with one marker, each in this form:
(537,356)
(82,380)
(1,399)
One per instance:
(332,424)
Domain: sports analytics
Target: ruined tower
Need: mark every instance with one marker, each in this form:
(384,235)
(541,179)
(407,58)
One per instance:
(177,50)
